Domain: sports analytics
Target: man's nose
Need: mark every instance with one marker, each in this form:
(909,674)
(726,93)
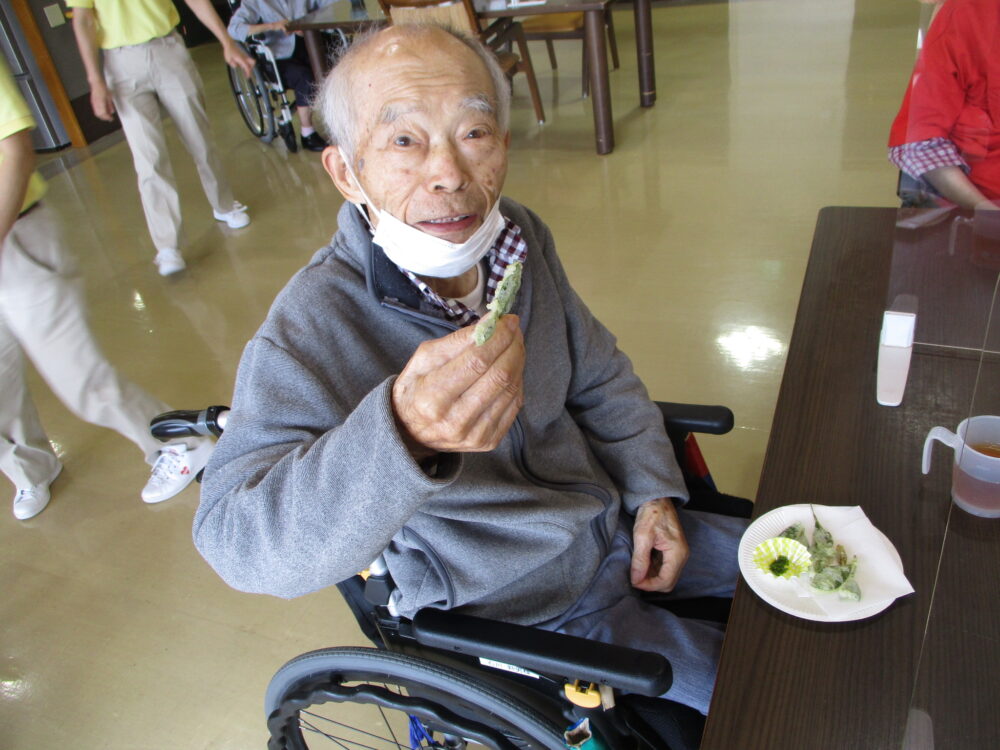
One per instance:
(446,169)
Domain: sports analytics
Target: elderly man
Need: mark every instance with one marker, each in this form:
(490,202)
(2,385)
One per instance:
(528,479)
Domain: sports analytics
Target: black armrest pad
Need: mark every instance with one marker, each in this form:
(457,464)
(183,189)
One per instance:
(715,420)
(555,654)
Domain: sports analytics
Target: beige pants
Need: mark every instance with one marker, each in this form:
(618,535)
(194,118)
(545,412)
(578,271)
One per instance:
(42,315)
(141,78)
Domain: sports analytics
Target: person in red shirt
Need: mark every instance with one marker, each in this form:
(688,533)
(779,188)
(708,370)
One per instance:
(947,132)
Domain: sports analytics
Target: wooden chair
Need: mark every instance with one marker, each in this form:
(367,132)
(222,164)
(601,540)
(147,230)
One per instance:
(460,15)
(549,27)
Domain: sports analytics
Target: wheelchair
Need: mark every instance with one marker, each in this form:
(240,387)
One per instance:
(448,680)
(261,97)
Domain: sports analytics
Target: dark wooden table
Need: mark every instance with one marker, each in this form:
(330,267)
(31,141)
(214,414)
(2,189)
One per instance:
(348,16)
(931,661)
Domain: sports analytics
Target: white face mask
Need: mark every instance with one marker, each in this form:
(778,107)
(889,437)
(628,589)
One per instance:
(425,254)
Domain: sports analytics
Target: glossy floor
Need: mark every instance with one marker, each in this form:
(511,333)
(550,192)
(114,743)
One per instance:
(690,241)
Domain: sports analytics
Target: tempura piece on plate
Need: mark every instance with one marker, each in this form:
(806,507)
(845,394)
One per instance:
(797,532)
(850,590)
(831,570)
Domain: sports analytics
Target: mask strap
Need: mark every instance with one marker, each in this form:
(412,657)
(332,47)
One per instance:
(368,201)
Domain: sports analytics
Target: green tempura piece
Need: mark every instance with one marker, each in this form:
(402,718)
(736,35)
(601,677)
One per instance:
(850,589)
(830,578)
(796,532)
(830,569)
(823,547)
(502,301)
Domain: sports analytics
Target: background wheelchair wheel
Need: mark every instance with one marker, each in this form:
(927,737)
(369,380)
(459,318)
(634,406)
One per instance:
(287,131)
(363,697)
(253,102)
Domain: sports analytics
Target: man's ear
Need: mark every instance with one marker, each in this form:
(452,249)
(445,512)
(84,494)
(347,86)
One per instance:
(336,167)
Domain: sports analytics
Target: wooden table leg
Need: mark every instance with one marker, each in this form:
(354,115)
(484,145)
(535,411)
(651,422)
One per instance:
(644,51)
(600,93)
(317,54)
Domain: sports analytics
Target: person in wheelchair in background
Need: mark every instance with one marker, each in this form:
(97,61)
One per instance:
(529,479)
(270,18)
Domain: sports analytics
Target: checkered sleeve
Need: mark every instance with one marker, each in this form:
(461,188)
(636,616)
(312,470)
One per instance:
(922,156)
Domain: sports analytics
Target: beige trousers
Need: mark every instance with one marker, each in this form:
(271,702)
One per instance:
(141,78)
(42,315)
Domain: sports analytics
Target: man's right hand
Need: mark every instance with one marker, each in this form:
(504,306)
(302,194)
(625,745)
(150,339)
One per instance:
(101,101)
(456,397)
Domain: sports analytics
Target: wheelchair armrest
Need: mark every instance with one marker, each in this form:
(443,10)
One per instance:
(171,425)
(567,656)
(715,420)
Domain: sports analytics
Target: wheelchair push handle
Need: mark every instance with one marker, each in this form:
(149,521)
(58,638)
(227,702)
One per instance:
(171,425)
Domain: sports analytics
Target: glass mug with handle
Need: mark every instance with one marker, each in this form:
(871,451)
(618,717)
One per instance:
(975,479)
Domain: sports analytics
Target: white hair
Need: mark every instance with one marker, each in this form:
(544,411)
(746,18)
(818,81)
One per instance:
(336,112)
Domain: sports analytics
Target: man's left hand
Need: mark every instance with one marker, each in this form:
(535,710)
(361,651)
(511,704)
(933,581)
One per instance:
(237,58)
(659,547)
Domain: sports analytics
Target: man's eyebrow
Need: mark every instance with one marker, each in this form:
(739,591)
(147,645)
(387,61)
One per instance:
(390,113)
(477,102)
(480,103)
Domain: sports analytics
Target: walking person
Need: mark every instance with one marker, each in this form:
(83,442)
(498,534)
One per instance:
(145,66)
(42,315)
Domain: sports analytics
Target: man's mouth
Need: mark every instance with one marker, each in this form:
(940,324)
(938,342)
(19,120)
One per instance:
(448,224)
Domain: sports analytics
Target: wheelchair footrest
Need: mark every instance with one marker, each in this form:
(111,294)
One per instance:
(569,657)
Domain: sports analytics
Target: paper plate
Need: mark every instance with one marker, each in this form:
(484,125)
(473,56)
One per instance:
(795,597)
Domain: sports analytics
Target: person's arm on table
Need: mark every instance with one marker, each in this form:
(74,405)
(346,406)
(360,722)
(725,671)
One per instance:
(954,184)
(85,31)
(234,56)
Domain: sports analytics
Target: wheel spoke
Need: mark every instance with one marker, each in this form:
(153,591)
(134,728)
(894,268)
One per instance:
(392,742)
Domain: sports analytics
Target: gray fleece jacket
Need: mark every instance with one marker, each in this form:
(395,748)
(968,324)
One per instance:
(311,480)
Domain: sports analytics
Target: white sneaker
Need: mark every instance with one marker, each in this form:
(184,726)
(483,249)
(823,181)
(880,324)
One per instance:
(169,261)
(174,469)
(237,218)
(29,502)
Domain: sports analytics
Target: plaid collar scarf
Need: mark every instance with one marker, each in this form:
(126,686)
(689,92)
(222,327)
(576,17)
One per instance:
(508,248)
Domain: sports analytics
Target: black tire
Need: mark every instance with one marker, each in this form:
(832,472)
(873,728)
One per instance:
(287,131)
(450,703)
(253,101)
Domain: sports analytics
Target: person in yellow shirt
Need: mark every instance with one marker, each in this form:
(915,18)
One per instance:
(136,62)
(42,315)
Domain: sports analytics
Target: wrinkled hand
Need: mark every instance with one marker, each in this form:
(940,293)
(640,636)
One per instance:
(101,102)
(236,58)
(456,397)
(659,547)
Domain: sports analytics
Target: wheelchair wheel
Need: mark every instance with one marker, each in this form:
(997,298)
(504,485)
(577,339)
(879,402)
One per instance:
(253,101)
(365,697)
